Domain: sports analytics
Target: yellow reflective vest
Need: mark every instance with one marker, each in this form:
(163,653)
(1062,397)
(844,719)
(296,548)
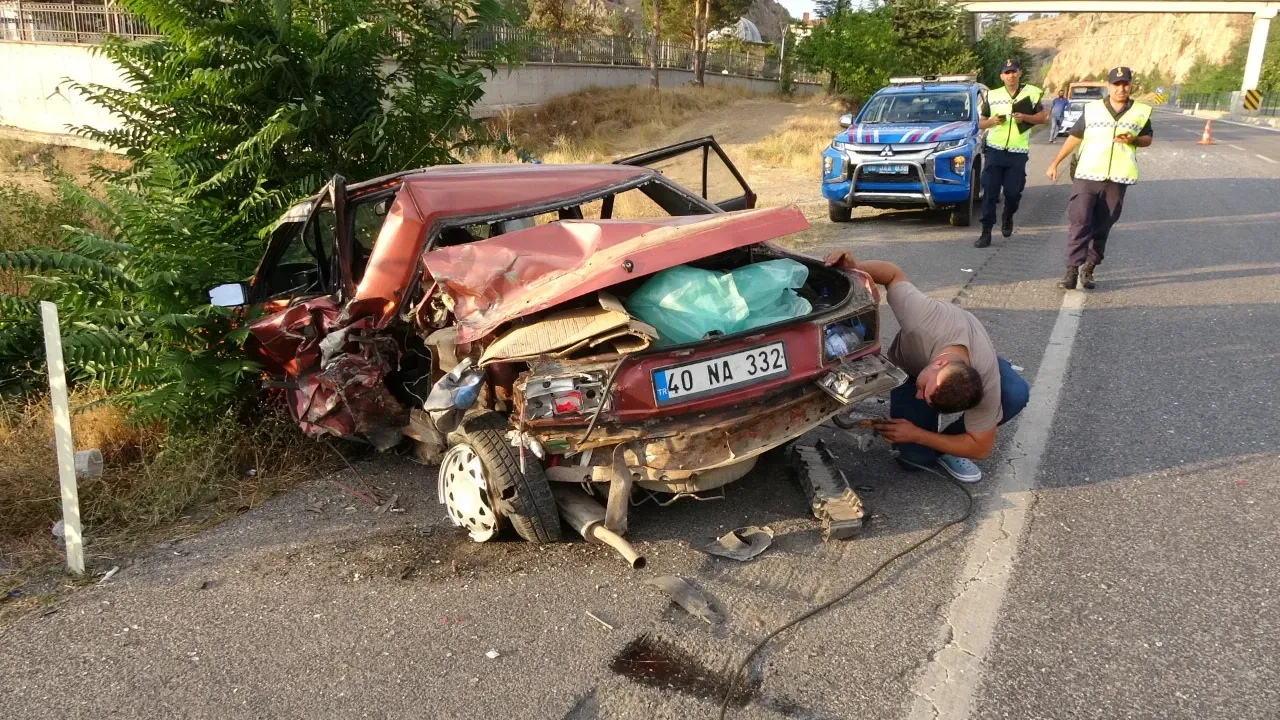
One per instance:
(1101,157)
(1006,135)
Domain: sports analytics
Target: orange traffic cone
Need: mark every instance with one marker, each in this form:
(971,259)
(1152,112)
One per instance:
(1205,138)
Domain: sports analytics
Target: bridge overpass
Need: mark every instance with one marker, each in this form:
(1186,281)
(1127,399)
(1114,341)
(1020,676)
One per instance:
(1263,13)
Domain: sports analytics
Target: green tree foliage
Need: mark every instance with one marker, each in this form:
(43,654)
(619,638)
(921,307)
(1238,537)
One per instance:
(258,102)
(931,38)
(236,111)
(996,46)
(858,49)
(1205,77)
(830,8)
(568,17)
(131,300)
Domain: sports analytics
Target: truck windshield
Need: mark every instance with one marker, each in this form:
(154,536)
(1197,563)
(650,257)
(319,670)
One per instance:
(1088,93)
(925,107)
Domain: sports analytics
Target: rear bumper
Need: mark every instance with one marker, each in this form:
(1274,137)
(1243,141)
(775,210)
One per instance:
(676,450)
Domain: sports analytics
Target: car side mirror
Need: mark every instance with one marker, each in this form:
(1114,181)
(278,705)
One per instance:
(228,295)
(846,120)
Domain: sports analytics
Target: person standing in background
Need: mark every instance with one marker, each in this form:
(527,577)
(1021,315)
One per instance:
(1108,135)
(1056,110)
(1007,115)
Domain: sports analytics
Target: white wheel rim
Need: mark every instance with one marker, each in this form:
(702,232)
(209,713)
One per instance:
(464,491)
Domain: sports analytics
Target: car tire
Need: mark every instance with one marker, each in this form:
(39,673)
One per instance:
(838,213)
(962,214)
(523,498)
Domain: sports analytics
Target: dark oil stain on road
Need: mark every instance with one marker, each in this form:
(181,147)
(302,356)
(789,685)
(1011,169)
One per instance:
(660,664)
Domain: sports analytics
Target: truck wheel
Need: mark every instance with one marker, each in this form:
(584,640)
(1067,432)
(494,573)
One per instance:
(962,214)
(838,213)
(482,454)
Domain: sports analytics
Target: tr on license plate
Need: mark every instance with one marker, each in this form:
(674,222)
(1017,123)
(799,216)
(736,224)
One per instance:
(716,375)
(888,169)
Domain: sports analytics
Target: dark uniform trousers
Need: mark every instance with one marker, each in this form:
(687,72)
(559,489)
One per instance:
(1094,208)
(1005,170)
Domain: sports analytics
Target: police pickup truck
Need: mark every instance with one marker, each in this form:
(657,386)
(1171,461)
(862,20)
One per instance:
(915,143)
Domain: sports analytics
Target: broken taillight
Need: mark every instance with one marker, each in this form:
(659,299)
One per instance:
(551,397)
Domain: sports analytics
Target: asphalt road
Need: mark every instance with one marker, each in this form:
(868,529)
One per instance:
(1129,574)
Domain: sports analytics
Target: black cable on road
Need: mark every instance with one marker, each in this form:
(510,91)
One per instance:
(812,612)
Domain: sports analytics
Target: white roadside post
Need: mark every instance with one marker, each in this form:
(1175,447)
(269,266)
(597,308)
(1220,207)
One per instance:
(62,438)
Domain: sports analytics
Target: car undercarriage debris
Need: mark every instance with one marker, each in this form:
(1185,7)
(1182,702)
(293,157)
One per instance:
(833,502)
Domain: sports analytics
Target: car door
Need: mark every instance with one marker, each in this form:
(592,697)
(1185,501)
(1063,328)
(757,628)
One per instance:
(702,166)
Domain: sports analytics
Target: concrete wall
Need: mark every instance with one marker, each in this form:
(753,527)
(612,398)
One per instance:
(535,84)
(32,104)
(31,98)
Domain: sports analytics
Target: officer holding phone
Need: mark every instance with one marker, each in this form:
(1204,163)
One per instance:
(1007,115)
(1108,136)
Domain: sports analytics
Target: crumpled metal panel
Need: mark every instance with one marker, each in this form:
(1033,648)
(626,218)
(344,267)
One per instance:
(464,191)
(338,364)
(493,281)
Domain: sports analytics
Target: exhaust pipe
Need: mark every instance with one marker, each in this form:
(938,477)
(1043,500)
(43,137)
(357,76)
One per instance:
(587,517)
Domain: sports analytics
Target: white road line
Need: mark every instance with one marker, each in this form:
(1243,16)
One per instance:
(1237,147)
(946,689)
(1264,157)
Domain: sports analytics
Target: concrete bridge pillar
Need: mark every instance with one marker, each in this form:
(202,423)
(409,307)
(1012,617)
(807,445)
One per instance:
(1257,46)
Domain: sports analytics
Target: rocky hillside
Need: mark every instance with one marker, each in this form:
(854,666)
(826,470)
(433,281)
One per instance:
(1068,47)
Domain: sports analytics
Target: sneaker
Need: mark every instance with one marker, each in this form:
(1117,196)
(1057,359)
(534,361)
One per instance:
(962,469)
(984,239)
(1069,280)
(1086,275)
(1006,226)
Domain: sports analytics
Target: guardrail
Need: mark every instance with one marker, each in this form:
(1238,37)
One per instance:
(88,24)
(1223,101)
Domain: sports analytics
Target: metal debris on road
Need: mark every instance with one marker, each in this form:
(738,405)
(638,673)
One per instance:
(109,574)
(741,544)
(389,504)
(687,597)
(593,617)
(493,654)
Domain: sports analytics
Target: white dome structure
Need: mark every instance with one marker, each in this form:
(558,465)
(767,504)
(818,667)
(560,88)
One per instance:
(744,30)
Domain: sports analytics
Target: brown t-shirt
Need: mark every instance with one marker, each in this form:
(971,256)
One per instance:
(930,325)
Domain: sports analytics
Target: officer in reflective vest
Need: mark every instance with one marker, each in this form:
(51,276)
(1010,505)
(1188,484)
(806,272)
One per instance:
(1108,136)
(1007,116)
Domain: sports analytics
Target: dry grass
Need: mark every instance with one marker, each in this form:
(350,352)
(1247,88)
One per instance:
(31,165)
(798,143)
(596,124)
(154,481)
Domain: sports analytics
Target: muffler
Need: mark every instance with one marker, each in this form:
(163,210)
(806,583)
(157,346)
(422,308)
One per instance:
(587,517)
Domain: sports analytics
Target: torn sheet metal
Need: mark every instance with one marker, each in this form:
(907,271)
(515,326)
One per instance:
(741,544)
(561,334)
(687,597)
(339,364)
(497,280)
(832,501)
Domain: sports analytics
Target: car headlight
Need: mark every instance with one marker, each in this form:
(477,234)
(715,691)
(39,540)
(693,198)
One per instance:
(946,145)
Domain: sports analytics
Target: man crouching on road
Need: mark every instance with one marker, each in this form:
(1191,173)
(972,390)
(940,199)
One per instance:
(953,368)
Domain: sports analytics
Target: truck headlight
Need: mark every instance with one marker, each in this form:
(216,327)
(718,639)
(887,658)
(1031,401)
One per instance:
(946,145)
(839,145)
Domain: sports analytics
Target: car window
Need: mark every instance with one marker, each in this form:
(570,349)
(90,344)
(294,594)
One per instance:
(305,264)
(917,108)
(367,216)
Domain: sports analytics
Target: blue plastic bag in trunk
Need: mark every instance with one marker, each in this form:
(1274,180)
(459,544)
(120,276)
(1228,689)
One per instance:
(686,303)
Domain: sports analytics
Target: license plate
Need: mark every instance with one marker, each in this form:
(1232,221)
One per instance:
(888,169)
(712,377)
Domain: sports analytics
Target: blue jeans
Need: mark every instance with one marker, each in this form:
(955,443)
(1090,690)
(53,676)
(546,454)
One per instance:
(903,403)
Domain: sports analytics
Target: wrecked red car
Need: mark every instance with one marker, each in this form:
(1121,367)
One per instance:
(489,314)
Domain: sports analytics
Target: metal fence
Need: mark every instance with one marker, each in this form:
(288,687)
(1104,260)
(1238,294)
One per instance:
(73,22)
(88,23)
(1223,100)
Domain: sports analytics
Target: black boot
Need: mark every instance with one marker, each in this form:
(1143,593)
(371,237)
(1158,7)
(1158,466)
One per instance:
(1086,275)
(1006,225)
(984,240)
(1069,280)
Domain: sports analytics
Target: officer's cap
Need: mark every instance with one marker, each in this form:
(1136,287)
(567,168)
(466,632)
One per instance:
(1120,74)
(1010,65)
